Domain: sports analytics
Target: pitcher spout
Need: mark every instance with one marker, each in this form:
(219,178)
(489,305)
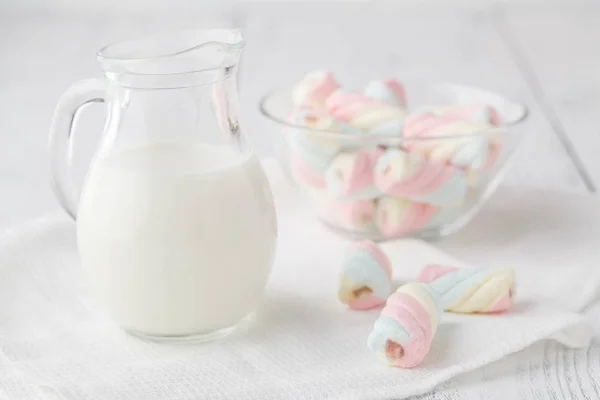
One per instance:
(177,59)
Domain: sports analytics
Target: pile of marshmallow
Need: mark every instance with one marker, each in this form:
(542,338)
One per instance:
(368,165)
(403,333)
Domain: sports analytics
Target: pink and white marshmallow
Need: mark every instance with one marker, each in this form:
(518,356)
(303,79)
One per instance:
(450,138)
(350,175)
(400,216)
(354,215)
(357,215)
(365,113)
(407,174)
(471,290)
(314,89)
(366,277)
(403,333)
(306,141)
(387,91)
(477,113)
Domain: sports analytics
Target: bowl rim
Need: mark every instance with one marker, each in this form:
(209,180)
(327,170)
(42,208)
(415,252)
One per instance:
(495,129)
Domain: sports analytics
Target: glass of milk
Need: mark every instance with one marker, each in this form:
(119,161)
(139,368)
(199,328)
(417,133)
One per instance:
(175,222)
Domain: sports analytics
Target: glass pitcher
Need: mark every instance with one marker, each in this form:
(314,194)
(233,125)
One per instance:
(176,227)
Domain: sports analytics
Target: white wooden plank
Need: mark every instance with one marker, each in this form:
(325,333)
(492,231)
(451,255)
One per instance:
(360,42)
(561,44)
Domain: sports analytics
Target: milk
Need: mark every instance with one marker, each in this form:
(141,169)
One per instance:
(177,239)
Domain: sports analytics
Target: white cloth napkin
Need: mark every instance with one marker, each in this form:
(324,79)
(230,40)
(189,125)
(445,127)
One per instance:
(56,344)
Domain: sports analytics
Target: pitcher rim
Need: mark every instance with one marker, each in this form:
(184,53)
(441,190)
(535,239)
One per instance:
(238,44)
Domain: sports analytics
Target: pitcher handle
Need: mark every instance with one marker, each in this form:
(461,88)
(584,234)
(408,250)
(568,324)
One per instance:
(60,142)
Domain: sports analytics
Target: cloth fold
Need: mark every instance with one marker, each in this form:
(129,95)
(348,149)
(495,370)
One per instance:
(56,343)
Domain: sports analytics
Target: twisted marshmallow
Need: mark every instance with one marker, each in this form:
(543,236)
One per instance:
(404,174)
(365,113)
(471,290)
(366,278)
(461,143)
(315,148)
(478,113)
(356,215)
(398,216)
(387,91)
(493,153)
(350,175)
(402,335)
(311,152)
(314,89)
(310,140)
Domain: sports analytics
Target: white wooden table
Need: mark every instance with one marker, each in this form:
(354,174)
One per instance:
(543,53)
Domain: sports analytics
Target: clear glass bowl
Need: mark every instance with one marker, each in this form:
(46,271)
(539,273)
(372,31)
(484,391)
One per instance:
(400,208)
